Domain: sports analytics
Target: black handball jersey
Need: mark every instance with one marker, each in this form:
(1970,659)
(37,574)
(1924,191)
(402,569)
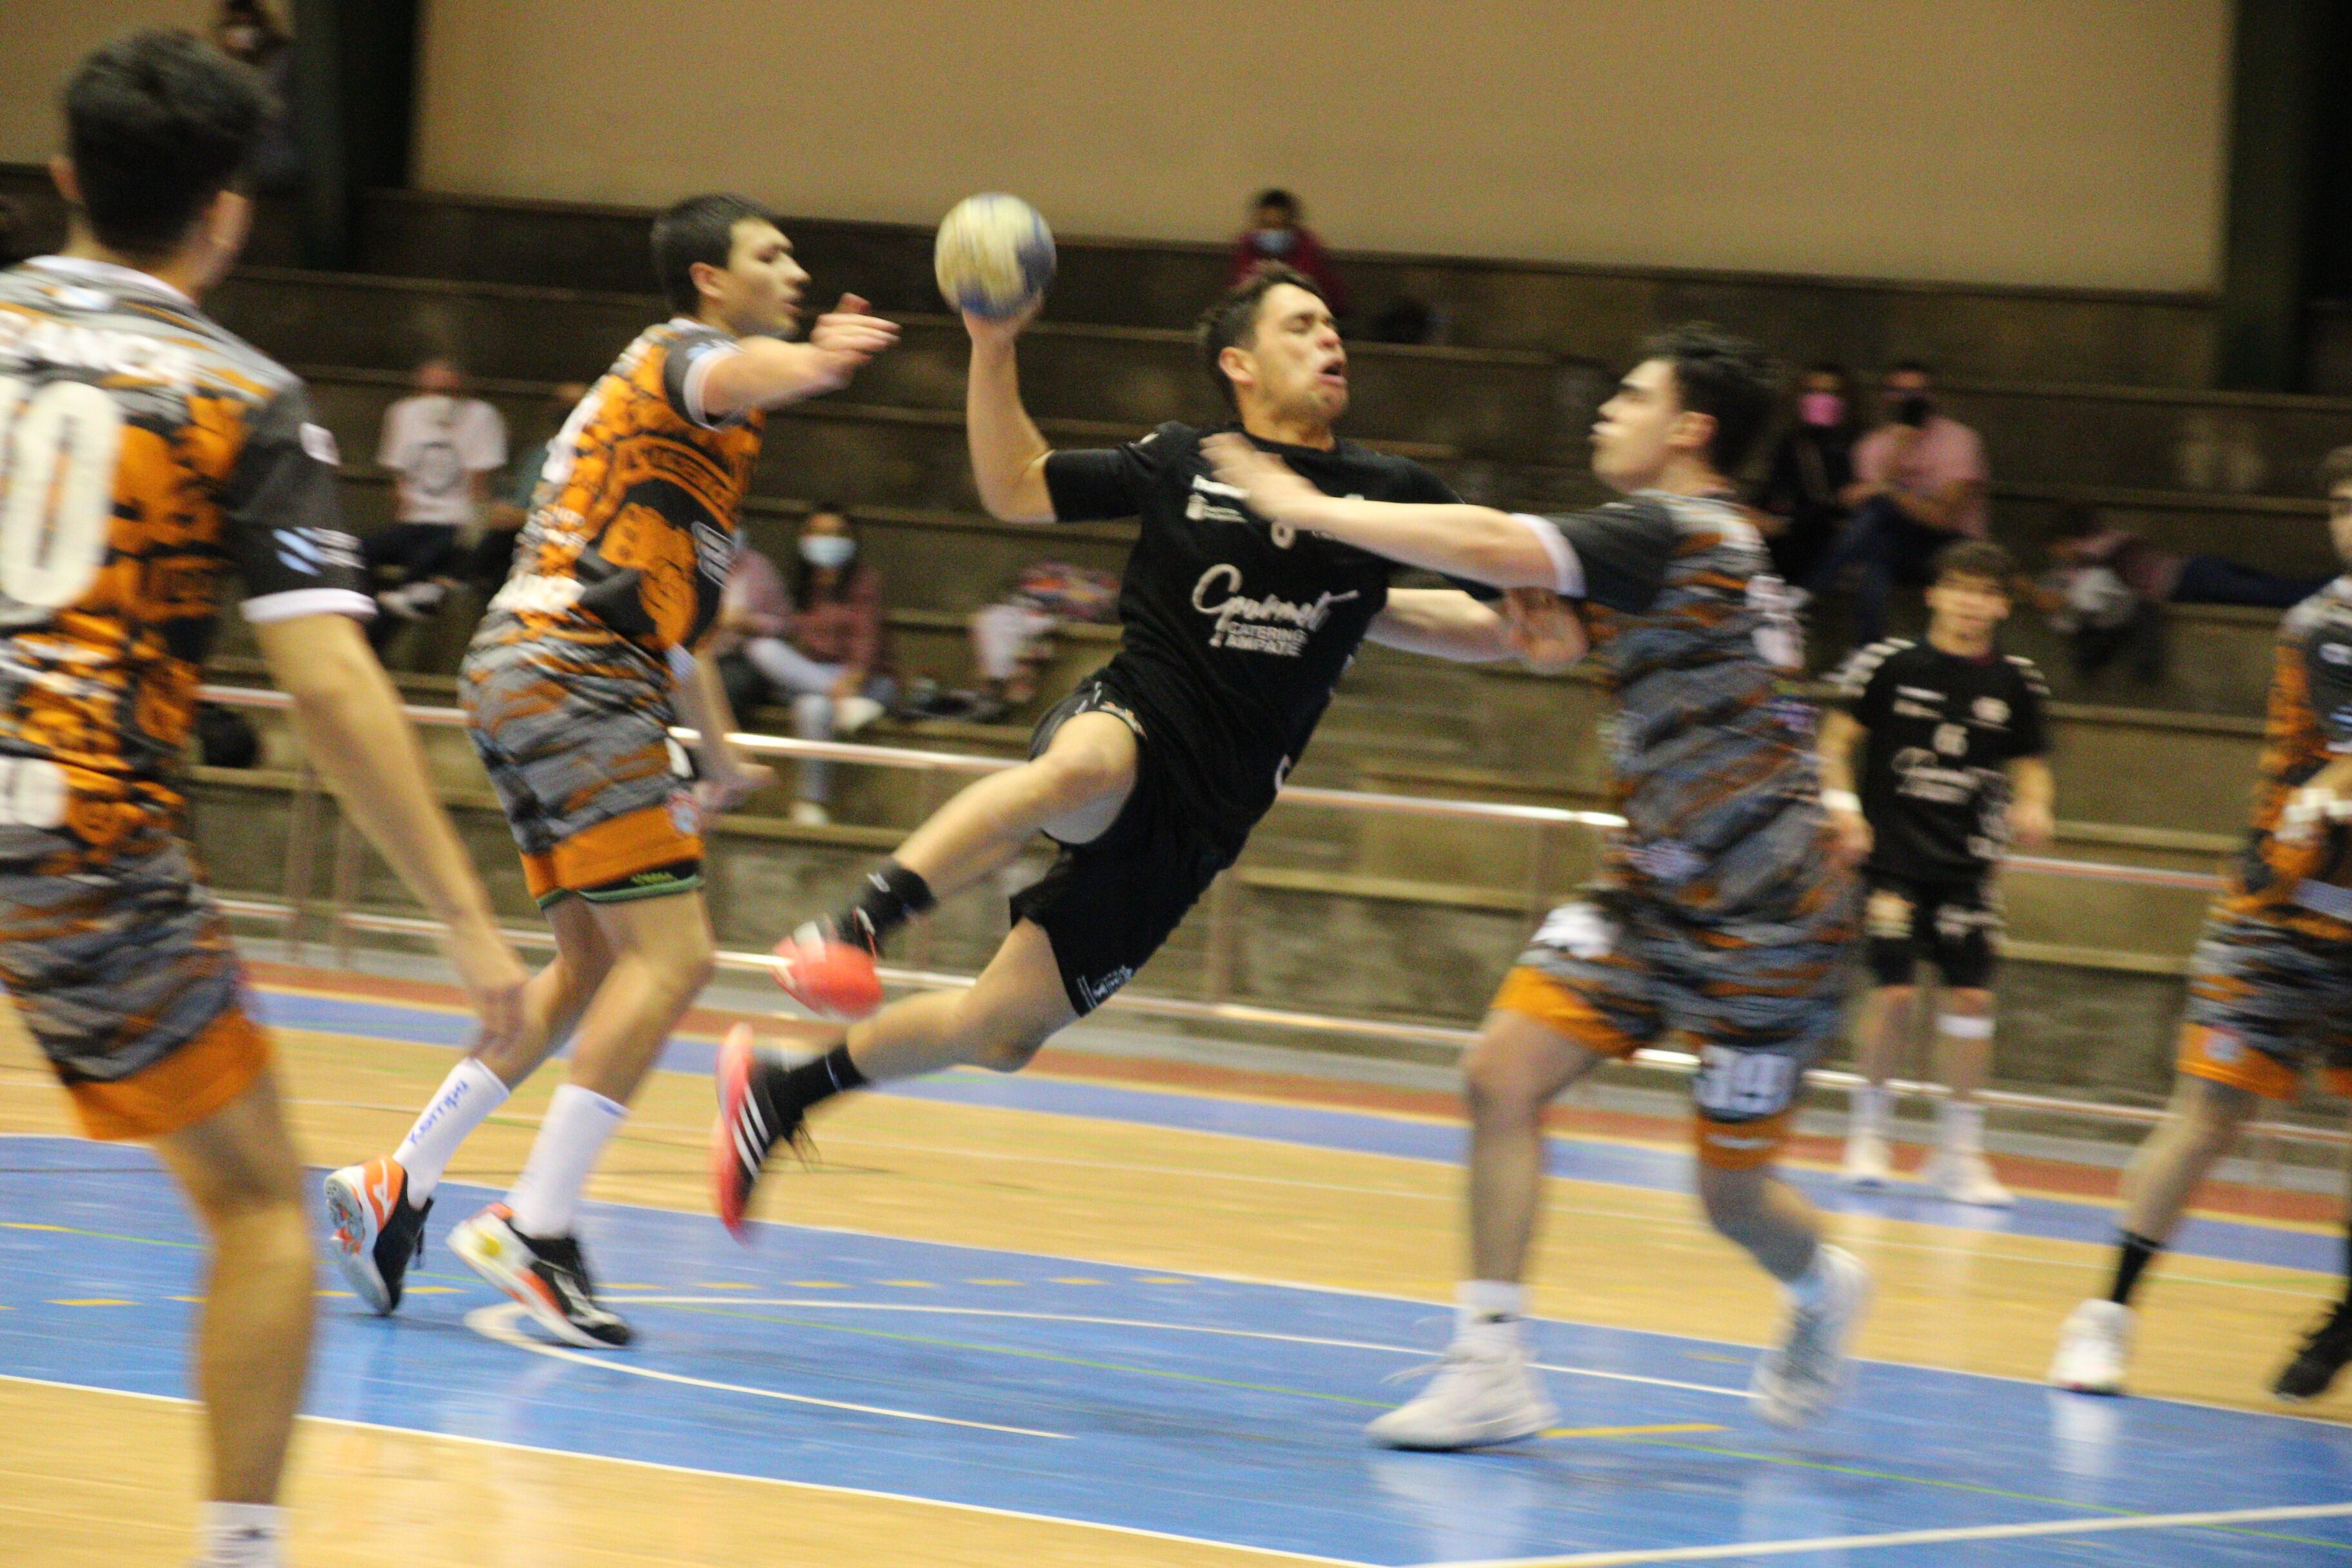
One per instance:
(1935,775)
(1233,637)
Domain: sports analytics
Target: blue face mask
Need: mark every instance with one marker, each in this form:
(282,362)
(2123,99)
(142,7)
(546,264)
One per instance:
(827,551)
(1273,241)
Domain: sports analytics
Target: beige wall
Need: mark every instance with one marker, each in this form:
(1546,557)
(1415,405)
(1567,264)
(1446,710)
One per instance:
(40,42)
(2067,142)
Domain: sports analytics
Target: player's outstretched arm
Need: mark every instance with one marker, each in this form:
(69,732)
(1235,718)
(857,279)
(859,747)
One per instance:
(727,777)
(1446,622)
(769,372)
(1473,542)
(349,721)
(1008,454)
(1840,731)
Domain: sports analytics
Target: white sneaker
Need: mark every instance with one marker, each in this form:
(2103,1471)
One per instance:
(1799,1378)
(1868,1161)
(809,814)
(2093,1348)
(1484,1393)
(1965,1176)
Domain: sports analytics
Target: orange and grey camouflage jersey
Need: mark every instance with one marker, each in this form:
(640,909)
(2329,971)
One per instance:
(145,456)
(2308,885)
(632,533)
(1713,753)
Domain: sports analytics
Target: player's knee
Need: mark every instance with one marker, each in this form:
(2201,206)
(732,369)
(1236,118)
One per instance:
(2214,1113)
(1733,1199)
(1073,775)
(1501,1082)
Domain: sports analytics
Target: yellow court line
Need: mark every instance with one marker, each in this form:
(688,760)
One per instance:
(1633,1431)
(91,1301)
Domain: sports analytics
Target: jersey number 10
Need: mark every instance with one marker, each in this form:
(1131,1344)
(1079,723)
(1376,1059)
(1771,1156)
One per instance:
(57,450)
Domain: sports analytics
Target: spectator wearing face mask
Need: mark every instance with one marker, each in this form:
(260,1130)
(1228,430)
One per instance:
(1277,236)
(442,447)
(1803,496)
(816,642)
(1919,482)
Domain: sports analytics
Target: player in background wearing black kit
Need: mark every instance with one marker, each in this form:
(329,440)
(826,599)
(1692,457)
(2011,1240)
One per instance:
(2270,985)
(1152,772)
(1952,770)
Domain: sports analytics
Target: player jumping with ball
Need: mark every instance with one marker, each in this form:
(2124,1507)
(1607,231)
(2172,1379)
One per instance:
(1152,772)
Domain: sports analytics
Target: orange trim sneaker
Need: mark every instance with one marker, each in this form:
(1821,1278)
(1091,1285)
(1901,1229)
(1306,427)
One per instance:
(831,975)
(378,1232)
(546,1274)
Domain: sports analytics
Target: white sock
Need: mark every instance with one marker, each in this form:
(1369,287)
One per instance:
(1959,1127)
(466,1096)
(240,1535)
(1809,1289)
(1488,1308)
(546,1197)
(1870,1105)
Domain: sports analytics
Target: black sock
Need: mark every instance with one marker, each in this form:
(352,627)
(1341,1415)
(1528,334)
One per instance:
(2133,1254)
(892,896)
(786,1092)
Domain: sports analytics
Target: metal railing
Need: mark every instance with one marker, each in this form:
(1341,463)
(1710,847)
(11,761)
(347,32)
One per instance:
(297,911)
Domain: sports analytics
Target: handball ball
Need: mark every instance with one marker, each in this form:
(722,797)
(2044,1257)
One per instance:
(994,256)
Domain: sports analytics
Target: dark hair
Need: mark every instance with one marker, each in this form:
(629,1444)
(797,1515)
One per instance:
(1233,319)
(1277,197)
(804,594)
(1976,558)
(699,228)
(158,124)
(2334,470)
(1913,366)
(1721,375)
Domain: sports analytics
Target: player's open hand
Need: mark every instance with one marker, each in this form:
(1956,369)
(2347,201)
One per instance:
(1268,486)
(2031,825)
(493,978)
(1543,629)
(849,335)
(997,334)
(717,792)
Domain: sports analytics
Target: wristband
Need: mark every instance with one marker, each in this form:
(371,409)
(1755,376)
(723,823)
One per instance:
(1841,800)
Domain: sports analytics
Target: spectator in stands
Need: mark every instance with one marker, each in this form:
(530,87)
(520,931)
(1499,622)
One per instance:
(493,554)
(246,31)
(1804,498)
(1278,237)
(442,447)
(17,242)
(1011,639)
(818,644)
(1919,483)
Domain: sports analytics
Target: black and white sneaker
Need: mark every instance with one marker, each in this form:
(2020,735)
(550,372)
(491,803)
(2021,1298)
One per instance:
(750,1124)
(378,1232)
(545,1273)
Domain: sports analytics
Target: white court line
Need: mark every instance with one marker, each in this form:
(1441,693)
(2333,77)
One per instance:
(498,1323)
(429,1435)
(2223,1518)
(1112,1323)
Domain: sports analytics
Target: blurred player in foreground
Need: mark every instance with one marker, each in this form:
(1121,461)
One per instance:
(1952,765)
(2270,985)
(1722,912)
(586,658)
(1149,776)
(151,455)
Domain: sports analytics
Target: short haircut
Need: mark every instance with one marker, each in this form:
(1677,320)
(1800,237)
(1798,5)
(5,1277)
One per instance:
(1914,366)
(2334,470)
(1978,558)
(1233,319)
(699,228)
(1723,376)
(1277,197)
(158,124)
(827,509)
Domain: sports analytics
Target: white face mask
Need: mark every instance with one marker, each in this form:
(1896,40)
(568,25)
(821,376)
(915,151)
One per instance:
(827,551)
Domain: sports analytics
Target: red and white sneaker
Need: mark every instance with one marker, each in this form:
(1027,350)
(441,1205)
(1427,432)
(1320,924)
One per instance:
(749,1127)
(831,975)
(378,1232)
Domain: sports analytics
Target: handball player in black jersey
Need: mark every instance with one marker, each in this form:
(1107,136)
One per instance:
(1952,770)
(1151,773)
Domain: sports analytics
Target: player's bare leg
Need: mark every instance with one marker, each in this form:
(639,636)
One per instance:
(379,1206)
(1073,790)
(1517,1068)
(1958,1169)
(1802,1375)
(661,954)
(253,1340)
(1883,1031)
(2199,1128)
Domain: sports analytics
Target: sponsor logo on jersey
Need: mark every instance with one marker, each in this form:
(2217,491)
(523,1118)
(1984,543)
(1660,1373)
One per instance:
(1990,710)
(2336,653)
(138,354)
(682,813)
(1100,990)
(1226,508)
(1923,693)
(1259,625)
(1902,708)
(320,442)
